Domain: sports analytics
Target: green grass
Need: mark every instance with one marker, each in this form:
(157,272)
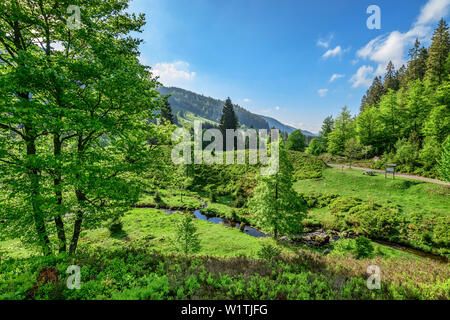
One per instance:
(189,118)
(141,263)
(411,195)
(171,199)
(151,228)
(346,247)
(15,249)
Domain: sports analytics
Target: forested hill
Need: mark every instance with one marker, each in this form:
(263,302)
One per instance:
(189,105)
(184,101)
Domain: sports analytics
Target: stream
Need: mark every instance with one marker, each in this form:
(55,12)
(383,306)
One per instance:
(227,223)
(258,234)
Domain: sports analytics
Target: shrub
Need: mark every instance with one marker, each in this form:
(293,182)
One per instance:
(306,166)
(157,197)
(376,221)
(343,204)
(239,202)
(363,248)
(212,195)
(115,226)
(269,253)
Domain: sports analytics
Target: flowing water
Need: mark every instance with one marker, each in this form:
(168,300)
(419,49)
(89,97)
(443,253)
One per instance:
(258,234)
(226,222)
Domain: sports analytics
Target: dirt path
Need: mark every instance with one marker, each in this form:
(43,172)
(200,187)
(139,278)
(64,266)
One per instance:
(407,176)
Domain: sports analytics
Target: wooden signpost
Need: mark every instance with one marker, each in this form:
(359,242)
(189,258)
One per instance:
(390,169)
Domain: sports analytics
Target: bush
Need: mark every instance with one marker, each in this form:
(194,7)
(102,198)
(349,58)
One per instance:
(157,197)
(212,196)
(379,222)
(269,253)
(115,226)
(363,248)
(239,202)
(343,204)
(306,166)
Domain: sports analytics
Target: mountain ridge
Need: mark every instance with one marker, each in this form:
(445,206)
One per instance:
(188,106)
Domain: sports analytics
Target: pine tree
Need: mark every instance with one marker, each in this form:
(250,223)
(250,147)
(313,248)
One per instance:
(418,63)
(166,111)
(438,53)
(390,78)
(374,93)
(401,76)
(229,120)
(363,103)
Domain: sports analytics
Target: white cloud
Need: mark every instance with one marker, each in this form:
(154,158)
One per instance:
(172,74)
(277,108)
(247,100)
(322,92)
(363,77)
(433,11)
(325,43)
(393,46)
(333,52)
(336,76)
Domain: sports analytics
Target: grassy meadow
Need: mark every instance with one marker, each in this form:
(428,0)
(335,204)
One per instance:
(141,261)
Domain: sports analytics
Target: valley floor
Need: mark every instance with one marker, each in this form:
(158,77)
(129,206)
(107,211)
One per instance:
(141,261)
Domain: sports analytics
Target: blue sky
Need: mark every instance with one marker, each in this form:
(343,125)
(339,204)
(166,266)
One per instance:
(295,60)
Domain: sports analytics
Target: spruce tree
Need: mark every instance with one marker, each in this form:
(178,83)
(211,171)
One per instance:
(390,78)
(438,53)
(417,64)
(373,94)
(166,111)
(229,120)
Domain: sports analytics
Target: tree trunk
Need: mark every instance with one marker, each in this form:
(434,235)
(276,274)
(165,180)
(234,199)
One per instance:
(59,198)
(81,197)
(38,217)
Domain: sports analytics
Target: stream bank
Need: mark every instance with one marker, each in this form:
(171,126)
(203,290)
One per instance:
(314,239)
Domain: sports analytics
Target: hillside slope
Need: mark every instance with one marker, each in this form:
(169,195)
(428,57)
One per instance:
(184,102)
(189,106)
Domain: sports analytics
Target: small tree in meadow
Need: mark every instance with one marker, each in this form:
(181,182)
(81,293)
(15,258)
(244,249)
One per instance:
(187,239)
(269,253)
(364,248)
(275,204)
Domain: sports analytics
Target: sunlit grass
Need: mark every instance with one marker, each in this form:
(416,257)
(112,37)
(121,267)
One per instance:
(410,195)
(151,228)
